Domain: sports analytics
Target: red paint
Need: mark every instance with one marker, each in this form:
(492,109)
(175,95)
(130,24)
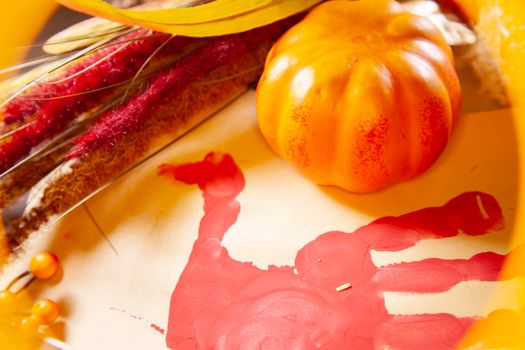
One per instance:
(158,329)
(221,303)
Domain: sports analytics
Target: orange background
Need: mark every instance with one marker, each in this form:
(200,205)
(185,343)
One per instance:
(20,22)
(504,21)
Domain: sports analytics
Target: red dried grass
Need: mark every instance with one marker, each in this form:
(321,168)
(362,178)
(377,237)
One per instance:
(50,117)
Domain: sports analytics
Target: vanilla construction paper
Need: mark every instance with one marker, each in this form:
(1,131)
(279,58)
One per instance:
(116,290)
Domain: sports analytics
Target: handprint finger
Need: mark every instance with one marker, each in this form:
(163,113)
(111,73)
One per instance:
(438,275)
(473,213)
(427,331)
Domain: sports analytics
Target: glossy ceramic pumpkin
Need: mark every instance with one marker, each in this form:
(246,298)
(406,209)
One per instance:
(359,94)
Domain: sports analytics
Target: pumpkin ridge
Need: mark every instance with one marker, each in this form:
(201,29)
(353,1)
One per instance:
(287,144)
(443,67)
(417,162)
(404,122)
(445,90)
(341,133)
(415,25)
(438,73)
(285,68)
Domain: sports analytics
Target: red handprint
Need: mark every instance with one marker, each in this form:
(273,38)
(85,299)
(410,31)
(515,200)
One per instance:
(333,298)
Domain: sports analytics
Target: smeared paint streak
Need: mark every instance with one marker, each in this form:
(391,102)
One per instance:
(221,303)
(125,312)
(140,318)
(158,328)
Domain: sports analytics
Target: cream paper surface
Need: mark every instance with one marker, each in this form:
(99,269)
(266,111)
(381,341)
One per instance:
(110,298)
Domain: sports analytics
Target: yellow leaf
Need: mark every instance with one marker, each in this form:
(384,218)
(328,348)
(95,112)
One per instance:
(211,19)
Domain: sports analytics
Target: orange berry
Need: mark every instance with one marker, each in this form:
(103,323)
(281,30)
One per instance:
(8,302)
(44,265)
(45,311)
(27,327)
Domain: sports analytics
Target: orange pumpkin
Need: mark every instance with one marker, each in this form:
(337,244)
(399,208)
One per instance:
(360,94)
